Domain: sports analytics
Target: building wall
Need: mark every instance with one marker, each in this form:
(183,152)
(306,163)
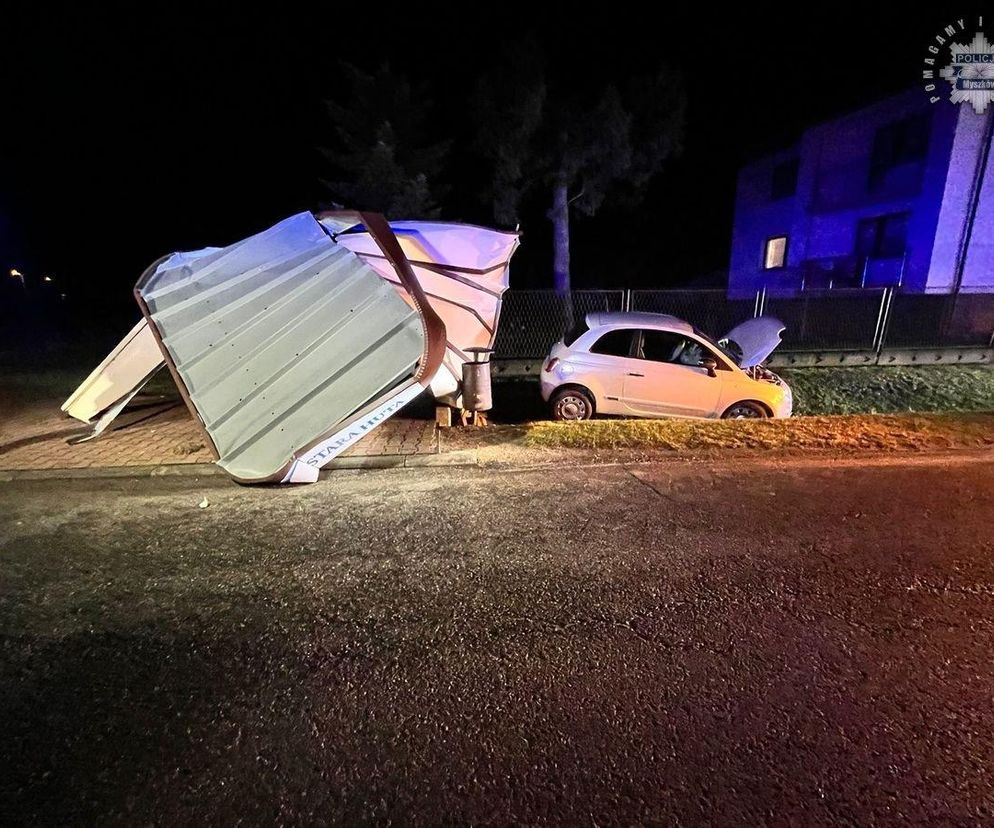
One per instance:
(758,218)
(963,254)
(832,196)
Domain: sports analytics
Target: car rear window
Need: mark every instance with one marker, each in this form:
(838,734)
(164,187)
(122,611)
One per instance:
(614,343)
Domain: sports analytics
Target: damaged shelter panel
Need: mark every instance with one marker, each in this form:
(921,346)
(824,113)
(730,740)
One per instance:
(463,270)
(119,377)
(288,347)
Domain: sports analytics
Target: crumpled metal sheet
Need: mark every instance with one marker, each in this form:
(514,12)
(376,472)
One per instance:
(463,270)
(278,339)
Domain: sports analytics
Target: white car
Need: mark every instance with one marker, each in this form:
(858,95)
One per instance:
(653,365)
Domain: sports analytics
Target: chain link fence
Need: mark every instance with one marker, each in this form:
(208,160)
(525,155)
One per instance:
(710,311)
(837,320)
(532,320)
(846,320)
(938,321)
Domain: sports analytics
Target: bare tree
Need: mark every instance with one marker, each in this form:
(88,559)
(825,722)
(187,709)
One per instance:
(581,145)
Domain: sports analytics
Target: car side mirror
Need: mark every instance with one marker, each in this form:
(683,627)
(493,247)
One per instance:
(711,365)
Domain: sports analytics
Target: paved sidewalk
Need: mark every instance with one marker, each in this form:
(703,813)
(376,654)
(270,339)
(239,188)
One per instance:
(152,432)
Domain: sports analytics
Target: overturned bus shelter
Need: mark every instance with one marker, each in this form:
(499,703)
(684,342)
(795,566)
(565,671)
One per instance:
(291,345)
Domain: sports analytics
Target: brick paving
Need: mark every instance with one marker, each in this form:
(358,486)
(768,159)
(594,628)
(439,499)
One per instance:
(153,432)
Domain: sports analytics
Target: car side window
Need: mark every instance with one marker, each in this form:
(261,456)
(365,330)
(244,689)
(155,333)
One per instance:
(692,353)
(614,343)
(661,346)
(674,348)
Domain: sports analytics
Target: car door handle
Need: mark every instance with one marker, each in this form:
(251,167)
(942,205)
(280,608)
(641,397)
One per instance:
(633,374)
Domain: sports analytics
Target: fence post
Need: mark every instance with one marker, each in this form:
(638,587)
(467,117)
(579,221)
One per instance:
(626,300)
(883,318)
(759,306)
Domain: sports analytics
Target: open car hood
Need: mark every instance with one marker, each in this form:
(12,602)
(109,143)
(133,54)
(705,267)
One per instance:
(754,340)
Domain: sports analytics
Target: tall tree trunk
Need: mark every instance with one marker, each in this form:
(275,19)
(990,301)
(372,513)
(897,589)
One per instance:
(559,216)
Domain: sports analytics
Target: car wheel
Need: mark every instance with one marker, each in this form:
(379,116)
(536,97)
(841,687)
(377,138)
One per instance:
(745,411)
(572,404)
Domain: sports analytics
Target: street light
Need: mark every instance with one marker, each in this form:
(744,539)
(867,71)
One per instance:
(16,274)
(46,278)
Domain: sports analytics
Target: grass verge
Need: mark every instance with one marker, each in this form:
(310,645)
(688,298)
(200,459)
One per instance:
(891,389)
(849,433)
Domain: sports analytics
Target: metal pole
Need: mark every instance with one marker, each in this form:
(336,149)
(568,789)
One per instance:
(885,306)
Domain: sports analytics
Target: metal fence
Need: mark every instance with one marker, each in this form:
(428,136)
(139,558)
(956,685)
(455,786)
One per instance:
(837,320)
(532,320)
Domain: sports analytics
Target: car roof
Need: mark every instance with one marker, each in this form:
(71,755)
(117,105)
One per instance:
(653,321)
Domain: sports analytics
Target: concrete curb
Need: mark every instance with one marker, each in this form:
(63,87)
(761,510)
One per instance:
(106,472)
(466,457)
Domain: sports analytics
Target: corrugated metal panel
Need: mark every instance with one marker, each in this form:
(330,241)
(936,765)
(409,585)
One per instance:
(279,338)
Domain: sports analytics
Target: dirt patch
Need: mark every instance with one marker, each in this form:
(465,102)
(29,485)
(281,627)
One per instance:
(189,447)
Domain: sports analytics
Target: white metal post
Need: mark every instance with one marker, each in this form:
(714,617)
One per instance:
(883,317)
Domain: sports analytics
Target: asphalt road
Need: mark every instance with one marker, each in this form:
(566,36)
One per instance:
(683,642)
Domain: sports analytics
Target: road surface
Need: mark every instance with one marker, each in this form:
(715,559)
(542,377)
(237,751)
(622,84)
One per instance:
(786,642)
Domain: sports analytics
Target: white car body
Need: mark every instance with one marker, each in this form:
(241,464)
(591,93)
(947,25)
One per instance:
(682,385)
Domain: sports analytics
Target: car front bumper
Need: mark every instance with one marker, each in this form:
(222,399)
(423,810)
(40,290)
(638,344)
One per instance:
(786,405)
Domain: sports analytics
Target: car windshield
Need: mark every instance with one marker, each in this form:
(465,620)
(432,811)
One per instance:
(729,349)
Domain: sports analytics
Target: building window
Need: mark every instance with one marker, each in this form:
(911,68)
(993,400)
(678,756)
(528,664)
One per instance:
(898,144)
(783,182)
(882,237)
(775,253)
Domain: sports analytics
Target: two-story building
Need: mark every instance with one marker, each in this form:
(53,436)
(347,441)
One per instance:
(897,194)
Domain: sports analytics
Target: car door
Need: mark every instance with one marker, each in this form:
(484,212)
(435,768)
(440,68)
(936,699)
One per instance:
(601,367)
(667,378)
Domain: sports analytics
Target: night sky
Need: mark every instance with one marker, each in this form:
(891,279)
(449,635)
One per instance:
(128,137)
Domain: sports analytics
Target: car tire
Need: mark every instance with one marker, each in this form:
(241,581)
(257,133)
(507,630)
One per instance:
(572,404)
(745,410)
